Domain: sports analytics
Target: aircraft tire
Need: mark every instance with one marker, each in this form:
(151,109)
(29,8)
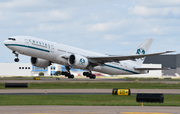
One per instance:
(88,74)
(63,73)
(71,76)
(91,76)
(16,60)
(94,76)
(84,73)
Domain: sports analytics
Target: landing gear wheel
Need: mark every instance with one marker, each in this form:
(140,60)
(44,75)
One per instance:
(16,60)
(93,76)
(90,75)
(71,76)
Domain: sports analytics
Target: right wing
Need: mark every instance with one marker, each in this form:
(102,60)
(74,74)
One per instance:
(103,59)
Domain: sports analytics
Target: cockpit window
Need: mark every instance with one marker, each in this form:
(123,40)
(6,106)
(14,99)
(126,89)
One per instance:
(12,39)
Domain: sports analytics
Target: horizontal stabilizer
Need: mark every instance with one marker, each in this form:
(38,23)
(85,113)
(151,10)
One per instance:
(152,68)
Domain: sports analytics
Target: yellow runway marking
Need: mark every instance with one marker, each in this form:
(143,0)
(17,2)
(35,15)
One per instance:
(142,113)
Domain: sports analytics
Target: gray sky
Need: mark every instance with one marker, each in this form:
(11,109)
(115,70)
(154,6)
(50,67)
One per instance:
(115,27)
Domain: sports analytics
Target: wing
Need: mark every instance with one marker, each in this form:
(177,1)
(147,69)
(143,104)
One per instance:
(104,59)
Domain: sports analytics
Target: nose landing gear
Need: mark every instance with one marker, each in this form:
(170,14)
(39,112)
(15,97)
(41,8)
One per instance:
(16,59)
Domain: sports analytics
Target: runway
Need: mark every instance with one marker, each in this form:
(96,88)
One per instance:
(88,110)
(81,91)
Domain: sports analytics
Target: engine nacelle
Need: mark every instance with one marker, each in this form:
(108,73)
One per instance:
(40,62)
(78,61)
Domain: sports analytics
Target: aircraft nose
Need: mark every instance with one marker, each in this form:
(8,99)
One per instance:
(5,42)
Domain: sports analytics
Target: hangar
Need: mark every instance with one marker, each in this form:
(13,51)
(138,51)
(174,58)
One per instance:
(168,61)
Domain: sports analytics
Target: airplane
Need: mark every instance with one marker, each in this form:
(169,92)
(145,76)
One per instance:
(43,53)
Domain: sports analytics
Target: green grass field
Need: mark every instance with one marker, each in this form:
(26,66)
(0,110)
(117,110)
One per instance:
(83,100)
(98,85)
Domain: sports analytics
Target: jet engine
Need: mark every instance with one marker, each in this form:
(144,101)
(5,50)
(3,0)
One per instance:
(40,62)
(78,61)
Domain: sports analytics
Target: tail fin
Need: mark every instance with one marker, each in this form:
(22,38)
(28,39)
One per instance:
(142,49)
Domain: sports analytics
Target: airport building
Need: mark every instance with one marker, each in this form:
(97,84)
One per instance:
(15,69)
(27,69)
(171,61)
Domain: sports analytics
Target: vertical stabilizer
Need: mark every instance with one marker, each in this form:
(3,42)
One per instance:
(142,49)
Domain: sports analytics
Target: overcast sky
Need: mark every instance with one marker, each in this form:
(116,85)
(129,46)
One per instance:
(115,27)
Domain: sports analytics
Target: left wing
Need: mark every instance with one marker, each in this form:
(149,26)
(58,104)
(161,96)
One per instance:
(104,59)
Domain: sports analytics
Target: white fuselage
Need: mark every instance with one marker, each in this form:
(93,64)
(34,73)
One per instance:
(57,52)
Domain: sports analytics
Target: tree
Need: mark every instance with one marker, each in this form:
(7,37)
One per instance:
(41,74)
(57,73)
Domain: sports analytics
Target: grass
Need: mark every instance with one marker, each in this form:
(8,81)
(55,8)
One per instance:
(83,100)
(98,85)
(151,79)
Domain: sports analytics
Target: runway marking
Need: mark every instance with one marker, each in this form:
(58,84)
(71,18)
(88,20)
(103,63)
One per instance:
(143,113)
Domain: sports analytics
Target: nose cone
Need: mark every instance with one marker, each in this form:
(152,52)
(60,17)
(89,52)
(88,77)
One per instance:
(5,42)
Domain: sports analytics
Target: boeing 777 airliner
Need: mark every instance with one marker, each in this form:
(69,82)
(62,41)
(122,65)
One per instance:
(43,53)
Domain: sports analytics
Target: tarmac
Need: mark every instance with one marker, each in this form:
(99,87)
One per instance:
(88,110)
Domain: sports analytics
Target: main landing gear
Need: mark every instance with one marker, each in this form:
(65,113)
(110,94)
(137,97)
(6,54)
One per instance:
(89,74)
(67,73)
(16,59)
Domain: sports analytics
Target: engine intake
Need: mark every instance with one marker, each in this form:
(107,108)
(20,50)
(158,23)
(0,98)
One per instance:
(78,61)
(42,63)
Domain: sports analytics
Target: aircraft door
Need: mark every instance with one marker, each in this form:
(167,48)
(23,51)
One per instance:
(51,53)
(26,42)
(52,48)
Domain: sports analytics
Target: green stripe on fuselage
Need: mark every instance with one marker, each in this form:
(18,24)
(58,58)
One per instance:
(28,47)
(120,69)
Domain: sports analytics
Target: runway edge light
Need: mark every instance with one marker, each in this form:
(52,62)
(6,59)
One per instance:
(122,91)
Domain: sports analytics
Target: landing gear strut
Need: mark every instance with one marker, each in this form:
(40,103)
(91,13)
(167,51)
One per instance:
(67,73)
(16,59)
(89,74)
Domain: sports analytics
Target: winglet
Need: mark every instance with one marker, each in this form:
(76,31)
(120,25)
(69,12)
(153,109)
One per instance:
(170,51)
